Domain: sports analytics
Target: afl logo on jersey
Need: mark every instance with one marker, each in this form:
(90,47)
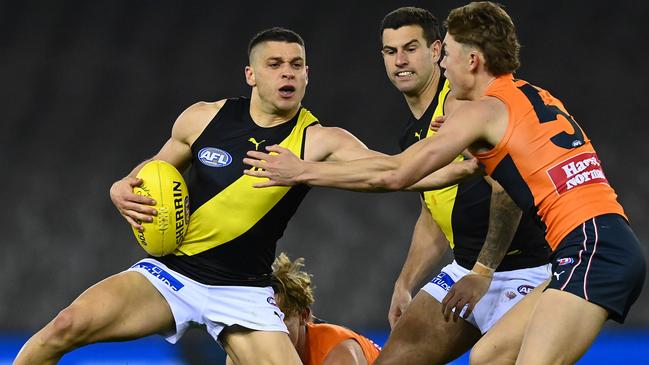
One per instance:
(525,289)
(214,157)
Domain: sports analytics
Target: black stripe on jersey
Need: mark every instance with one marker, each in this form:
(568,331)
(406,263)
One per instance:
(223,264)
(422,124)
(470,219)
(506,173)
(304,138)
(230,126)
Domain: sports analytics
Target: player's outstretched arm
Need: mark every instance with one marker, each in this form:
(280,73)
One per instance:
(324,145)
(177,151)
(448,175)
(504,217)
(384,173)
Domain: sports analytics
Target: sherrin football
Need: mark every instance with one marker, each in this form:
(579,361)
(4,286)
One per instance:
(164,184)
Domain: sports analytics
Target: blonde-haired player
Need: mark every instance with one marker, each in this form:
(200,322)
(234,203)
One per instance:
(316,342)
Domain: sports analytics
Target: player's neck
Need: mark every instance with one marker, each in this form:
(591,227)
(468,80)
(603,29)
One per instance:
(266,115)
(482,83)
(302,344)
(420,101)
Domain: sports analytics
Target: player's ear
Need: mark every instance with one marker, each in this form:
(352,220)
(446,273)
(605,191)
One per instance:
(475,59)
(305,315)
(307,74)
(250,76)
(436,47)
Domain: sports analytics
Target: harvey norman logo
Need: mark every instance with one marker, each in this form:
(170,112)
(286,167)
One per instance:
(583,169)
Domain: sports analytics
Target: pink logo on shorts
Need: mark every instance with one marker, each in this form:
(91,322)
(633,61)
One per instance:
(565,261)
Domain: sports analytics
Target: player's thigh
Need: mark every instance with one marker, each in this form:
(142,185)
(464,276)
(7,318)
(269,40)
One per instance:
(249,347)
(502,342)
(423,336)
(562,328)
(123,306)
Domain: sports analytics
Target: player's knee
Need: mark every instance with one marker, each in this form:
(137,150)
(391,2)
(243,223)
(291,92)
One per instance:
(485,354)
(69,328)
(478,355)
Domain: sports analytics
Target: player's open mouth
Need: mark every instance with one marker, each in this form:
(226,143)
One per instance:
(287,91)
(404,74)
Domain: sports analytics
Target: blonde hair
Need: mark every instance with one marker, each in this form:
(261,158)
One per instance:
(292,285)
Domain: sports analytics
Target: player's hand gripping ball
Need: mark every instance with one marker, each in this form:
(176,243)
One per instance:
(164,184)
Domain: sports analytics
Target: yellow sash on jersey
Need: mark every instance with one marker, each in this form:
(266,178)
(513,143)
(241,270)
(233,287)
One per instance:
(440,202)
(238,207)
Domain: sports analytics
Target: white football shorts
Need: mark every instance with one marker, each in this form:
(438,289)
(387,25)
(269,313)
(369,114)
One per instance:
(214,307)
(507,288)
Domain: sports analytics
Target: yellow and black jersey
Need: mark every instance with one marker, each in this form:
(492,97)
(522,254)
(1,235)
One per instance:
(234,227)
(462,211)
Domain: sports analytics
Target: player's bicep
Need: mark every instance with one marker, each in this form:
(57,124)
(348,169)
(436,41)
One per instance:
(176,152)
(348,352)
(462,129)
(334,144)
(189,125)
(467,126)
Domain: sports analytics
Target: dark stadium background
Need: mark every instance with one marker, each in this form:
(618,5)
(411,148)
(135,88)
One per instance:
(89,89)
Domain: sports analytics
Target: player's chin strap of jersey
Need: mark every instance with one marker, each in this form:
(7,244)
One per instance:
(482,270)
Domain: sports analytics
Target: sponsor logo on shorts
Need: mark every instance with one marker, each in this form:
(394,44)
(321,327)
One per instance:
(525,289)
(160,273)
(510,294)
(583,169)
(214,157)
(558,275)
(565,261)
(443,280)
(271,301)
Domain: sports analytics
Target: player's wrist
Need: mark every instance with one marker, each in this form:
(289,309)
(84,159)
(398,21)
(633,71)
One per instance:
(483,270)
(402,286)
(308,173)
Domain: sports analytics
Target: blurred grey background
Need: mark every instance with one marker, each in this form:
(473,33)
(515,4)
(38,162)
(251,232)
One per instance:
(91,88)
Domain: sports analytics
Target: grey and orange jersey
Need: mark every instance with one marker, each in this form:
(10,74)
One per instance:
(462,210)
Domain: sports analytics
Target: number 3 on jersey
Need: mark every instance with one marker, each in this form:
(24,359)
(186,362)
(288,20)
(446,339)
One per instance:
(549,113)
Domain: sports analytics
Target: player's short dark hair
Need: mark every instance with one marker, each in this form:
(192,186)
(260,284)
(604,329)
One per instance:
(276,34)
(411,15)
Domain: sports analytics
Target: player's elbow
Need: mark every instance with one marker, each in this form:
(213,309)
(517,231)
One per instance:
(392,181)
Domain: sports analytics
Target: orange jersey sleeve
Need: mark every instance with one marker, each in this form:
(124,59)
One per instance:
(546,162)
(323,337)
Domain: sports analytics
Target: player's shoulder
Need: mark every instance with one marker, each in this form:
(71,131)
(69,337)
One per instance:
(194,119)
(348,351)
(484,109)
(201,108)
(200,112)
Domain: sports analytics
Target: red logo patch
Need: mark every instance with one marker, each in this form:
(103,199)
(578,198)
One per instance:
(583,169)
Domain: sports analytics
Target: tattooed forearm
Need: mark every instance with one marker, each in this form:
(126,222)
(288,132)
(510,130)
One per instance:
(504,217)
